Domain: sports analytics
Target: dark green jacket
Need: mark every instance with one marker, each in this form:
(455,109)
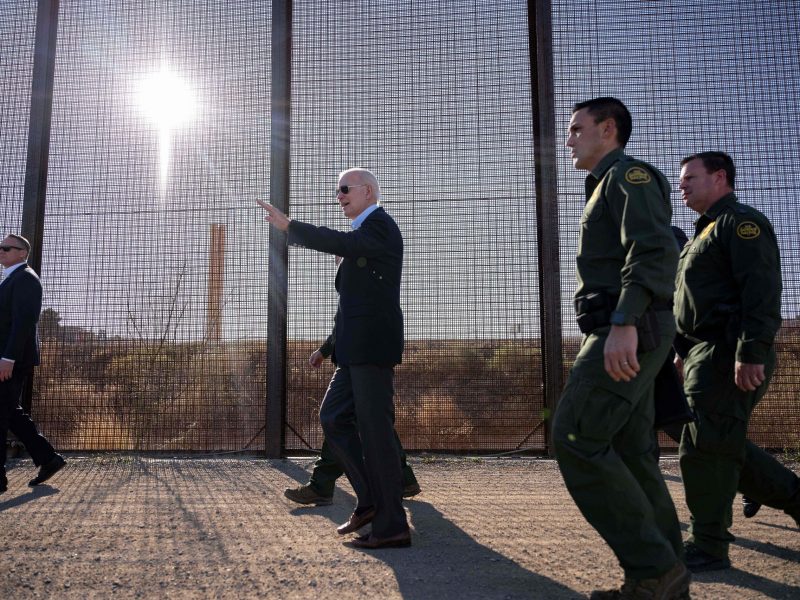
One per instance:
(729,280)
(626,245)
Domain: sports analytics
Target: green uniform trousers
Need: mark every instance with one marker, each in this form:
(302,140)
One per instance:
(605,442)
(327,470)
(716,457)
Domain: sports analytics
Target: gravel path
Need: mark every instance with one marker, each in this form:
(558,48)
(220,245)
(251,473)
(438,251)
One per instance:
(119,526)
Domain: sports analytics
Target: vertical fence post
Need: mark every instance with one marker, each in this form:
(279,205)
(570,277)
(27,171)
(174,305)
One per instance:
(279,186)
(540,37)
(44,61)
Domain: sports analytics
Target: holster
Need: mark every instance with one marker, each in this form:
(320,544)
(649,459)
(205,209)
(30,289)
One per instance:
(594,311)
(671,406)
(648,331)
(682,344)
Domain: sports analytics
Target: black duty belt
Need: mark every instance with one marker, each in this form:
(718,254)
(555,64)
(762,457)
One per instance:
(594,310)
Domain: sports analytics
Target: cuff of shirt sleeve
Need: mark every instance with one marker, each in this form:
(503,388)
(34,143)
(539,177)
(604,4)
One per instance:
(633,301)
(752,352)
(291,237)
(9,360)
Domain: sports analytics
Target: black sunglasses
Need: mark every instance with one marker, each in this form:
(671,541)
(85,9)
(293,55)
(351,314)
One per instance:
(345,189)
(10,248)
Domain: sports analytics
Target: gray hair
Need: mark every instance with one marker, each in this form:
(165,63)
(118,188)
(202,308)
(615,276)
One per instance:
(365,176)
(26,244)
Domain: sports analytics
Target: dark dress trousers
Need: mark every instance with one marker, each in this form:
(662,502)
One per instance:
(357,413)
(20,305)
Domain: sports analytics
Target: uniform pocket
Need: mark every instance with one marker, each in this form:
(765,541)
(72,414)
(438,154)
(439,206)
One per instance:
(587,411)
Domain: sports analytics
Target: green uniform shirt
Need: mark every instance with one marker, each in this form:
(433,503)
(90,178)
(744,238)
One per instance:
(729,276)
(626,245)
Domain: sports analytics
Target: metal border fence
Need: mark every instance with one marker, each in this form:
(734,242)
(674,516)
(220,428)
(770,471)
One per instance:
(196,323)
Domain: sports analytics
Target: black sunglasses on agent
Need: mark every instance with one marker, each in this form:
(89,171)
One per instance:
(345,189)
(10,248)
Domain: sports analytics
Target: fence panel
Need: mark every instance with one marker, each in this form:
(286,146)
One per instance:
(434,97)
(154,253)
(17,41)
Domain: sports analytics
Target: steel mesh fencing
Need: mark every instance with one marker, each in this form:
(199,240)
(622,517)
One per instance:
(154,258)
(434,97)
(154,332)
(17,25)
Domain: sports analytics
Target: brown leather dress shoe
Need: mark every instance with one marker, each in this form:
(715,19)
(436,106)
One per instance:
(356,522)
(401,540)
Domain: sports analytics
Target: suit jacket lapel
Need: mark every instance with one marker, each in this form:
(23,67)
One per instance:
(8,278)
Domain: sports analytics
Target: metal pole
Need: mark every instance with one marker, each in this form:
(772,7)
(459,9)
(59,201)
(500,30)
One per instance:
(44,60)
(216,283)
(278,252)
(544,139)
(33,201)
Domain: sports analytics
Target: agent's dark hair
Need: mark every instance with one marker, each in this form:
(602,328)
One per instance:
(25,243)
(715,161)
(609,108)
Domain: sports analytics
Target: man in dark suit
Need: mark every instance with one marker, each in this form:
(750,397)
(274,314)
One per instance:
(319,489)
(357,413)
(20,305)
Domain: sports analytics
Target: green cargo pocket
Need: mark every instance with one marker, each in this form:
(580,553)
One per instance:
(590,412)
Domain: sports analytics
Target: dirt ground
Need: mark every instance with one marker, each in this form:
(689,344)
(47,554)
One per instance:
(119,526)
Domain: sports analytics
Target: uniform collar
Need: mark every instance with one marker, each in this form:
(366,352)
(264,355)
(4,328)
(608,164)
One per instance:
(606,162)
(596,174)
(714,211)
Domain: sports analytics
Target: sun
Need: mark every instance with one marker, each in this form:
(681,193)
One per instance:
(168,102)
(166,99)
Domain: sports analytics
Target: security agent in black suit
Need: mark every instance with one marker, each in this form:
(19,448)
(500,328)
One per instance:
(357,413)
(20,305)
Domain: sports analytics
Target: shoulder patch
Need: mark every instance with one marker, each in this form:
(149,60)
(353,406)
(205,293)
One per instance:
(637,176)
(747,230)
(707,230)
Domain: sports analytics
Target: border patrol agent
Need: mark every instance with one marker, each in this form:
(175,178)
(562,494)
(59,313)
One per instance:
(727,310)
(603,428)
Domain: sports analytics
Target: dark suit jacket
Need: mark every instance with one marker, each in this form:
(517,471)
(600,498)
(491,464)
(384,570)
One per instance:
(369,322)
(20,305)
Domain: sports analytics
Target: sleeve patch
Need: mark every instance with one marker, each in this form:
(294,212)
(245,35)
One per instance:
(747,230)
(637,176)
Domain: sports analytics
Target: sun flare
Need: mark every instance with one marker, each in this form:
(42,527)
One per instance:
(168,102)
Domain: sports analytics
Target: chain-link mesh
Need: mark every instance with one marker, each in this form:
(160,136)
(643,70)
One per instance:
(434,97)
(17,27)
(155,256)
(154,259)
